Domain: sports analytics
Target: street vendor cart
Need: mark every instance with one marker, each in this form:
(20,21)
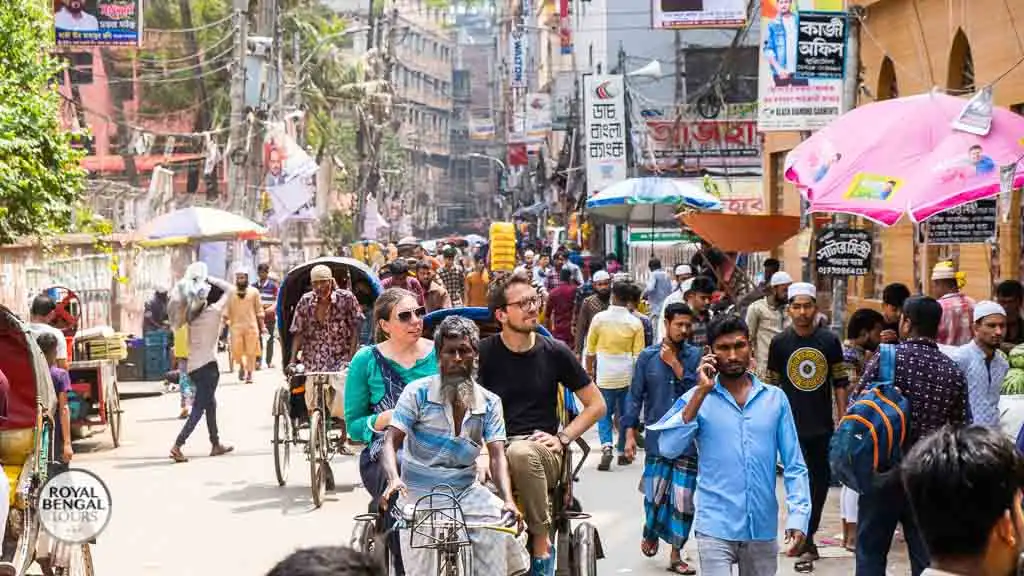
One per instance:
(93,399)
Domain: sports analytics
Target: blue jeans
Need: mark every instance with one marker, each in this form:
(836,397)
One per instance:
(205,380)
(877,516)
(615,400)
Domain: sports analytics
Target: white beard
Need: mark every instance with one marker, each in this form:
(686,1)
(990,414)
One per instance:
(458,390)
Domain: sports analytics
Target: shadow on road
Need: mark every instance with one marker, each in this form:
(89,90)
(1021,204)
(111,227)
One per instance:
(134,463)
(292,499)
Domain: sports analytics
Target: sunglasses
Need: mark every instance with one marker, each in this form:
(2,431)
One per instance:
(407,316)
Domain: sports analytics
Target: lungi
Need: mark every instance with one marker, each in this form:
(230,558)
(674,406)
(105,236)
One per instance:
(668,487)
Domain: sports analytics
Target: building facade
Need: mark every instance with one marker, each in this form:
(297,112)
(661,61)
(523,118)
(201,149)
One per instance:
(909,47)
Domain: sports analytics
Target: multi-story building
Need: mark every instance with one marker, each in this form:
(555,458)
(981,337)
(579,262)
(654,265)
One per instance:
(909,47)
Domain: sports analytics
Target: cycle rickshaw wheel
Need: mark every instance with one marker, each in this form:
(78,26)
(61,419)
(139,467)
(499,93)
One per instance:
(584,550)
(113,409)
(79,562)
(317,478)
(282,437)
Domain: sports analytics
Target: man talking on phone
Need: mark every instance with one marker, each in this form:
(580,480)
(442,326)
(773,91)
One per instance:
(742,427)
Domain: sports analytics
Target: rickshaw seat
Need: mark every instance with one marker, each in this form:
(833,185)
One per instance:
(17,432)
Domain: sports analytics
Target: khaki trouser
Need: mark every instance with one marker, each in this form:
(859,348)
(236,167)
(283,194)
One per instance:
(535,471)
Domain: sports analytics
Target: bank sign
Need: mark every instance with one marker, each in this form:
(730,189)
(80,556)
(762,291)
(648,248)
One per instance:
(517,59)
(604,110)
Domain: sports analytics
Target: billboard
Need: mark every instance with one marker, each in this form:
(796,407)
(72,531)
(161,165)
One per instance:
(604,111)
(517,58)
(803,61)
(289,182)
(681,14)
(563,92)
(97,22)
(538,115)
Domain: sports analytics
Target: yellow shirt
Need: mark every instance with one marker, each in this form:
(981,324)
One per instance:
(616,337)
(181,342)
(243,312)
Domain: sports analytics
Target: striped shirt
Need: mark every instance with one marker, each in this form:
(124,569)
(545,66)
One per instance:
(984,381)
(432,453)
(957,317)
(616,337)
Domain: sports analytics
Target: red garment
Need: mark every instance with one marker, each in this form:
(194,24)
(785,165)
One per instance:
(560,308)
(5,393)
(411,284)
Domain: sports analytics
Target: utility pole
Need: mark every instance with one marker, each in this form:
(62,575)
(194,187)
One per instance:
(239,141)
(362,175)
(850,88)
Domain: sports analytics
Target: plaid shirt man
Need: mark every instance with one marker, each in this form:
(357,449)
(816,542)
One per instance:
(454,279)
(957,317)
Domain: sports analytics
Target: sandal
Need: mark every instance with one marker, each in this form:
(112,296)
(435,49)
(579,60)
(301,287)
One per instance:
(803,566)
(680,567)
(649,548)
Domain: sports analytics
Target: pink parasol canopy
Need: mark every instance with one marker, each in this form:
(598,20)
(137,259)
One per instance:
(903,156)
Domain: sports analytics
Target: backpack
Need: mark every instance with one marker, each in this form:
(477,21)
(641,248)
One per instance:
(870,437)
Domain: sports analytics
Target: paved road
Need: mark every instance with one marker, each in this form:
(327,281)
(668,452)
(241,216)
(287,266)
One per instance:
(228,516)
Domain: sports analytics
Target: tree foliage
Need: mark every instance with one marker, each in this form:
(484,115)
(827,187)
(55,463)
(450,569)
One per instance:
(40,177)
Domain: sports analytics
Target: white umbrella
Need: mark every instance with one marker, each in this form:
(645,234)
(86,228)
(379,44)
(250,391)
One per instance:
(650,200)
(200,223)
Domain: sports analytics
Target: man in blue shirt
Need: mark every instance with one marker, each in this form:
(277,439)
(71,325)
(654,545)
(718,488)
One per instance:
(742,427)
(663,373)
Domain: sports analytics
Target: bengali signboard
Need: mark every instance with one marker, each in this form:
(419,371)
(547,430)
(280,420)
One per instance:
(973,223)
(843,252)
(517,58)
(680,14)
(564,27)
(803,57)
(97,22)
(821,45)
(604,110)
(696,144)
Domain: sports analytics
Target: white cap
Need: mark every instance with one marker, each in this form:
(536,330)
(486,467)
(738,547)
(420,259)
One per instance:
(801,289)
(528,254)
(780,279)
(987,308)
(683,269)
(944,271)
(600,276)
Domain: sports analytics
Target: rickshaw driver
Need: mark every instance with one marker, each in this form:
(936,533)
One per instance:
(535,444)
(325,327)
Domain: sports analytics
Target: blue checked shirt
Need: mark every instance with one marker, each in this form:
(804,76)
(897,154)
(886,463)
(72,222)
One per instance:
(984,381)
(739,448)
(432,453)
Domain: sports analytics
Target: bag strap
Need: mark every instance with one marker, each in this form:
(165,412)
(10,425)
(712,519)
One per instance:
(887,363)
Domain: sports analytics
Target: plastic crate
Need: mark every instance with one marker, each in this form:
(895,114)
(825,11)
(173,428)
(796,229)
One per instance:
(158,338)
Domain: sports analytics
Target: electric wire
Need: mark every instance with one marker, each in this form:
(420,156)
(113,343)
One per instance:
(200,28)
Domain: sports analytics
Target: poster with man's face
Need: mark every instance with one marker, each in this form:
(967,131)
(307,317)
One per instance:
(97,22)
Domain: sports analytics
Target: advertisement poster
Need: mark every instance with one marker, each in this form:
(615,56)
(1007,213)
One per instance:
(790,99)
(290,179)
(564,27)
(680,14)
(517,59)
(538,115)
(821,45)
(604,111)
(97,22)
(843,252)
(562,93)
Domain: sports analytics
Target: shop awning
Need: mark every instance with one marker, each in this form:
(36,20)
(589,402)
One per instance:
(742,232)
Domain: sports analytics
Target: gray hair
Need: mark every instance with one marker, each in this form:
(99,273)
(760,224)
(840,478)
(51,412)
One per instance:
(456,327)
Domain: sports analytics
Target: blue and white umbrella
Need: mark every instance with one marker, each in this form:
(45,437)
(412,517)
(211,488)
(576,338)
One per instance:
(650,200)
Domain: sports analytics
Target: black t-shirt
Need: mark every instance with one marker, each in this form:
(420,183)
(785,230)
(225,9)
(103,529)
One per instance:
(807,369)
(527,383)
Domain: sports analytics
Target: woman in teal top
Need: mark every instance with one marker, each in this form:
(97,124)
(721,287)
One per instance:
(378,374)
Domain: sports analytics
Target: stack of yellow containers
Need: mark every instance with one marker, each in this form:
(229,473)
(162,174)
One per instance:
(503,246)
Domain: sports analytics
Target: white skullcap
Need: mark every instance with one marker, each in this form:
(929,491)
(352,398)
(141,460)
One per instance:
(780,279)
(320,272)
(801,289)
(601,276)
(528,254)
(683,269)
(987,308)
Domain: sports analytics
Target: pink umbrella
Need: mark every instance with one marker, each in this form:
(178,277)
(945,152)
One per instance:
(902,156)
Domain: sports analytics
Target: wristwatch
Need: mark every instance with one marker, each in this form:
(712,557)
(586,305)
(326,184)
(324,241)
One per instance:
(564,439)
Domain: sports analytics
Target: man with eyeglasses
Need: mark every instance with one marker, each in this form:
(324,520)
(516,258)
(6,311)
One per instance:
(524,369)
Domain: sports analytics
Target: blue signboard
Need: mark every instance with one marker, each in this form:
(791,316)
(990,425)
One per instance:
(98,22)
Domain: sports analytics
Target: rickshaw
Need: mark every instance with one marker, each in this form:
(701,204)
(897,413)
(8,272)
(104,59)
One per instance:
(326,436)
(582,544)
(26,446)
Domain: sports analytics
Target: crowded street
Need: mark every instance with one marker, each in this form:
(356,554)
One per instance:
(228,515)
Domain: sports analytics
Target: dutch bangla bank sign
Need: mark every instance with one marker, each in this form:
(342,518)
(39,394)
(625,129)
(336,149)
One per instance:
(604,108)
(74,506)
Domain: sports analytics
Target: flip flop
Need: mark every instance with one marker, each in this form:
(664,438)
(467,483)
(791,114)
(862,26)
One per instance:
(649,551)
(803,566)
(680,567)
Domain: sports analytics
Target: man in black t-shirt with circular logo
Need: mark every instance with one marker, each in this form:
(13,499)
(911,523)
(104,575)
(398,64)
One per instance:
(806,361)
(524,369)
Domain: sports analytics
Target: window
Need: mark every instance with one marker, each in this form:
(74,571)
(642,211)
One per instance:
(80,68)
